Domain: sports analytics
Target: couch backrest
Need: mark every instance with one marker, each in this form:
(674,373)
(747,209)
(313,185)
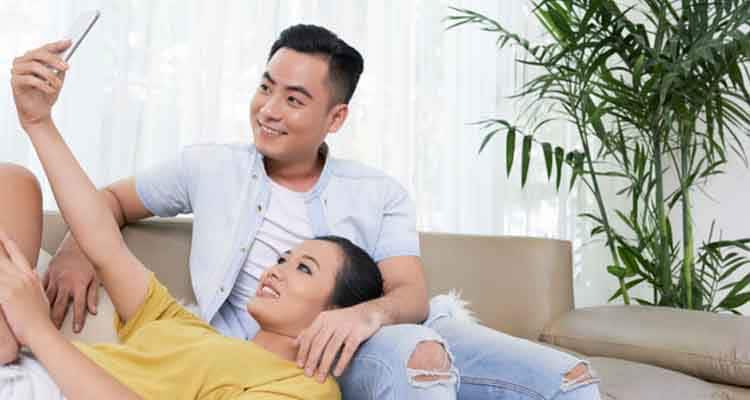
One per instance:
(513,284)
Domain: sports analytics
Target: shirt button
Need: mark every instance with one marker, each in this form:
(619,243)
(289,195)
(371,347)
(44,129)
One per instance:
(243,249)
(221,289)
(260,208)
(255,176)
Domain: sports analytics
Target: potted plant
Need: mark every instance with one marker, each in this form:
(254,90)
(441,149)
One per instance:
(655,90)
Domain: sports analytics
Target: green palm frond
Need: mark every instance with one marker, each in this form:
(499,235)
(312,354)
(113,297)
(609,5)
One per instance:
(652,88)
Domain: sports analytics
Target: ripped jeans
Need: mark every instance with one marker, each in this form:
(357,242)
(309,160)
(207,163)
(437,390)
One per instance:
(485,364)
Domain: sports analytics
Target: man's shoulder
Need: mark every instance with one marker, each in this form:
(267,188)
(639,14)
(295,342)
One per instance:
(367,178)
(350,169)
(200,150)
(216,157)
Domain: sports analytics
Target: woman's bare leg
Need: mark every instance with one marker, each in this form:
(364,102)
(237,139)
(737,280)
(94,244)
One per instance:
(21,219)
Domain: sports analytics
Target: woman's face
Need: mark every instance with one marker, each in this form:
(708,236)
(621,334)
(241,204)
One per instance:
(292,293)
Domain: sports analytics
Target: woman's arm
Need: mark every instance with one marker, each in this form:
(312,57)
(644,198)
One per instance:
(27,311)
(91,222)
(70,369)
(35,91)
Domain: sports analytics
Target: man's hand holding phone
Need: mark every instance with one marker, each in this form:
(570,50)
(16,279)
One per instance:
(35,85)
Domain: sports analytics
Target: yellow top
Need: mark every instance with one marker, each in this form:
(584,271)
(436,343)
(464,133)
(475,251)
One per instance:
(166,352)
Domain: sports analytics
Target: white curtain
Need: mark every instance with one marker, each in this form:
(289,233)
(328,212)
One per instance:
(154,76)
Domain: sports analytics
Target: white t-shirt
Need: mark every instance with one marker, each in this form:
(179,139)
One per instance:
(285,225)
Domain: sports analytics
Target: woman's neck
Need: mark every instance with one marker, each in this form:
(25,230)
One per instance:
(281,345)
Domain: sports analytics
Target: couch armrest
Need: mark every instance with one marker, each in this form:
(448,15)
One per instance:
(711,346)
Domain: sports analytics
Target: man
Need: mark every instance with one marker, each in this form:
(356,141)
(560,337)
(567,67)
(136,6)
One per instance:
(252,203)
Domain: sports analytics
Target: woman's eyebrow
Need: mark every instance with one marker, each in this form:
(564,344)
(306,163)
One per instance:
(312,259)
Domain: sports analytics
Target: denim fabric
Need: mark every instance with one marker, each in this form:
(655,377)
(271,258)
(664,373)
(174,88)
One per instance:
(493,365)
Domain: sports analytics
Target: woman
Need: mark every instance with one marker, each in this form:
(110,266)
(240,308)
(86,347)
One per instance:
(159,338)
(165,351)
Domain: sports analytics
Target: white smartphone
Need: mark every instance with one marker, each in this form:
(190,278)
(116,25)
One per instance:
(78,32)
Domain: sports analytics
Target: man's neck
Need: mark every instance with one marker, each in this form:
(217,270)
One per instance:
(281,345)
(297,176)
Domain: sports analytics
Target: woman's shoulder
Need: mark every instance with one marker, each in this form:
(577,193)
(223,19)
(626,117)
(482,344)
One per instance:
(299,387)
(311,389)
(275,375)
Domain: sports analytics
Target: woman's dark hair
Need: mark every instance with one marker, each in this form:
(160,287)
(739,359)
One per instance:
(359,278)
(345,64)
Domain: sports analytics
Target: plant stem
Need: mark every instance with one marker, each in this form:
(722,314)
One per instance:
(661,219)
(602,210)
(687,223)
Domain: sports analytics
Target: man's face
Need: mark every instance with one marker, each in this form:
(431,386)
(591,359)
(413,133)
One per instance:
(291,111)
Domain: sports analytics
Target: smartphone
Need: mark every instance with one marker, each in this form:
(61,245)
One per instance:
(78,32)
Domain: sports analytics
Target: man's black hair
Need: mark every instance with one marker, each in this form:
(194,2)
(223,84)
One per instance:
(345,64)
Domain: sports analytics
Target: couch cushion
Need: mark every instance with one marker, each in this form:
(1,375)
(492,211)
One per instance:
(99,328)
(734,392)
(627,380)
(162,245)
(514,284)
(706,345)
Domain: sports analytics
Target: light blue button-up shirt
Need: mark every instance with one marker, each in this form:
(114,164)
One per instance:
(226,188)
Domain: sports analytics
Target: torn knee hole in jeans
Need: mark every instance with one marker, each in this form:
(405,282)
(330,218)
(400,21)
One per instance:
(433,365)
(580,375)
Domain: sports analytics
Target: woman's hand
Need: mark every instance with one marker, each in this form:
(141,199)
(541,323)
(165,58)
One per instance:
(21,295)
(334,331)
(35,85)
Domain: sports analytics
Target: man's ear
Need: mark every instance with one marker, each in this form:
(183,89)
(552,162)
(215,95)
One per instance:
(337,117)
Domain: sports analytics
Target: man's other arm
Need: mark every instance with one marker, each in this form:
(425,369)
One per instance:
(71,275)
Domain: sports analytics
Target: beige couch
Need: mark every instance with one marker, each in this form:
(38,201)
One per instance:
(523,287)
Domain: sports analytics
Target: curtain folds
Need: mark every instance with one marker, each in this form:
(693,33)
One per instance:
(153,77)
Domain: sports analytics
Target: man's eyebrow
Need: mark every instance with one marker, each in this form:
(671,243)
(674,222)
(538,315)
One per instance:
(293,88)
(300,89)
(266,75)
(312,259)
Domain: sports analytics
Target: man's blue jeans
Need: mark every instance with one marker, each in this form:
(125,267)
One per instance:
(486,364)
